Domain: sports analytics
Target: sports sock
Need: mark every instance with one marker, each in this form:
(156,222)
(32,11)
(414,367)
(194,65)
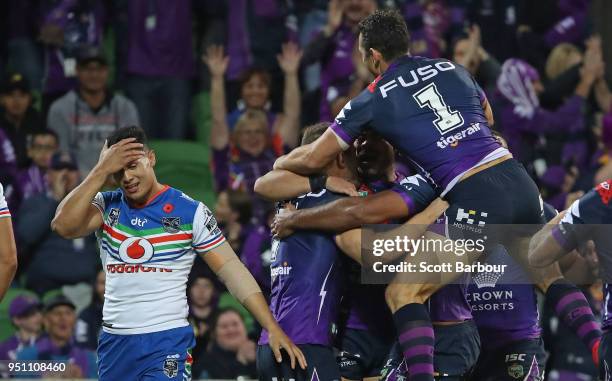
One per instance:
(416,338)
(572,307)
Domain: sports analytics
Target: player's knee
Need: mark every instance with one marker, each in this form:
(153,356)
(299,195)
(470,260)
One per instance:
(398,295)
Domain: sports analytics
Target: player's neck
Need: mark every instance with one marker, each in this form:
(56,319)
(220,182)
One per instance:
(153,192)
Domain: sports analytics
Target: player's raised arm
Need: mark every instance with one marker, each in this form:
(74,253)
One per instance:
(313,157)
(279,185)
(76,216)
(8,250)
(224,262)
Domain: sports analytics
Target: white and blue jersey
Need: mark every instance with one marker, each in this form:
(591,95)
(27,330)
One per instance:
(147,254)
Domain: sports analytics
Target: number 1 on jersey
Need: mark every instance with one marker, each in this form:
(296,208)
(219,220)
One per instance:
(446,119)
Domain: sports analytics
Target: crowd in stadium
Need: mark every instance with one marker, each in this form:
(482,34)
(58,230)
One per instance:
(243,78)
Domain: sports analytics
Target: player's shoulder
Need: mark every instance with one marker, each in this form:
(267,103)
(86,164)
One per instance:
(416,182)
(181,202)
(1,190)
(310,200)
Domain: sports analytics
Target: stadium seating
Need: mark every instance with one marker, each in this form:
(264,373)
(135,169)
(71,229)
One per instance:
(185,166)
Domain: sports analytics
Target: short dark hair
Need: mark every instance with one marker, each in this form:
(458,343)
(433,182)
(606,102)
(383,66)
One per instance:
(126,133)
(249,73)
(313,132)
(42,132)
(241,202)
(385,31)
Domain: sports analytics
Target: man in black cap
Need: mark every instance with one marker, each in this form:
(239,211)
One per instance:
(58,343)
(84,117)
(54,261)
(18,118)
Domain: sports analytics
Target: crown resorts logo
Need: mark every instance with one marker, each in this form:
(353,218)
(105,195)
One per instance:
(486,279)
(136,250)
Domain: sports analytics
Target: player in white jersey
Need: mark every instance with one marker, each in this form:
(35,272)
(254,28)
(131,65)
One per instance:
(8,251)
(149,234)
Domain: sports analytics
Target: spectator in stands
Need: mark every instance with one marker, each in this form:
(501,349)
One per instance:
(524,122)
(333,48)
(19,119)
(231,353)
(32,181)
(55,261)
(66,27)
(90,319)
(203,298)
(58,343)
(468,51)
(233,211)
(160,63)
(243,156)
(25,314)
(249,238)
(255,95)
(84,117)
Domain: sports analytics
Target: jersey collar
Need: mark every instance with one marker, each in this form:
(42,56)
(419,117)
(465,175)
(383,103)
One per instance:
(151,200)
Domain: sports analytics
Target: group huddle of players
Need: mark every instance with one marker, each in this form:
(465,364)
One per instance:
(475,328)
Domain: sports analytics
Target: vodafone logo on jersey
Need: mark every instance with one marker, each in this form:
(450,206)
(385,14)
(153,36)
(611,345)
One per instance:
(135,250)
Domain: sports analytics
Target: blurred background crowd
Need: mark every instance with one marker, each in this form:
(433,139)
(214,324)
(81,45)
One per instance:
(223,87)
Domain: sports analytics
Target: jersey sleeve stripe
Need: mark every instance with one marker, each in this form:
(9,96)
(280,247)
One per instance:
(207,247)
(407,200)
(5,213)
(561,239)
(344,139)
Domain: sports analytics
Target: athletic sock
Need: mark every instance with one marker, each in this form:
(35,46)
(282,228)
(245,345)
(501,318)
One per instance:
(572,307)
(416,338)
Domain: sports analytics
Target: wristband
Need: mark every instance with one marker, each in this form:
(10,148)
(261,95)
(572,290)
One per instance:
(317,183)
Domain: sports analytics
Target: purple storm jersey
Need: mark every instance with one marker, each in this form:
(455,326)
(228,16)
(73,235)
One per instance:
(504,306)
(432,111)
(589,217)
(306,275)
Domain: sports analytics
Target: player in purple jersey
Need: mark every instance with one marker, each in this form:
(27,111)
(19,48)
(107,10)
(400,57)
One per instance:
(409,195)
(436,115)
(149,235)
(588,218)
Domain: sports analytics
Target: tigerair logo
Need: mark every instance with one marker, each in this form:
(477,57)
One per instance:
(136,250)
(453,140)
(285,269)
(122,268)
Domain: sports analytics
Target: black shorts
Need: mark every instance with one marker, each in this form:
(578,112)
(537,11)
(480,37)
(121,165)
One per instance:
(455,354)
(501,194)
(362,354)
(520,360)
(321,363)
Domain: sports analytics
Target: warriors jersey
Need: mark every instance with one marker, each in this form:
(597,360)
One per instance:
(147,254)
(4,210)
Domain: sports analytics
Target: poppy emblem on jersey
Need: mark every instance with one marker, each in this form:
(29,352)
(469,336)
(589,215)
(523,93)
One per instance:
(605,191)
(168,208)
(516,371)
(171,225)
(136,250)
(113,217)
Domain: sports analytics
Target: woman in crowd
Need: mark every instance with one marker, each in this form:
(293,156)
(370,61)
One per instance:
(255,95)
(231,354)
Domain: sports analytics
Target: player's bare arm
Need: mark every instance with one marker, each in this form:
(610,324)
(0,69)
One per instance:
(313,157)
(544,248)
(224,262)
(350,241)
(76,216)
(344,214)
(279,185)
(8,255)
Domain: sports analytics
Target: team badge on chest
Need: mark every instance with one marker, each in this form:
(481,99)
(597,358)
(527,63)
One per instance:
(171,225)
